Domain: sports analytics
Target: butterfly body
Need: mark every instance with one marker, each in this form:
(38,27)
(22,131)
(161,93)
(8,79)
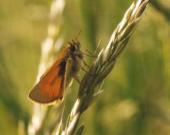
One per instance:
(52,84)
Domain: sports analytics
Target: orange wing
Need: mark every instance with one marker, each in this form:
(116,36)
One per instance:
(51,85)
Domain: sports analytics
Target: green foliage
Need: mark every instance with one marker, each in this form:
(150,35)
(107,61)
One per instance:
(136,97)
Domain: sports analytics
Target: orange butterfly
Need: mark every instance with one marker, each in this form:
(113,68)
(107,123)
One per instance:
(52,84)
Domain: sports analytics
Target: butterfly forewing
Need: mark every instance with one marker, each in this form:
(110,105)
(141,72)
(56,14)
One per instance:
(51,85)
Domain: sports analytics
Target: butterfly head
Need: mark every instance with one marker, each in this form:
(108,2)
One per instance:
(74,49)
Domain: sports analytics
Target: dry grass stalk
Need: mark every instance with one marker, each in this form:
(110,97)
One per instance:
(47,52)
(103,65)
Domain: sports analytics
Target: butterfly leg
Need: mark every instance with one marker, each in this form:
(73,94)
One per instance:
(86,71)
(77,79)
(89,54)
(85,63)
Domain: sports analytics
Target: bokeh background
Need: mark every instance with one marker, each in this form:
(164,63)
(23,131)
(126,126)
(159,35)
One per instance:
(136,98)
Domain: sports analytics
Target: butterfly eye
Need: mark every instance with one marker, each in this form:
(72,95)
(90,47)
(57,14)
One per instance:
(78,45)
(72,48)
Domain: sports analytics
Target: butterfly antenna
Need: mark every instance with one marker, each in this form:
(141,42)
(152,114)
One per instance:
(78,35)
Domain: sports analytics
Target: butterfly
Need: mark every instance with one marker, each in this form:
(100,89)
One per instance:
(52,84)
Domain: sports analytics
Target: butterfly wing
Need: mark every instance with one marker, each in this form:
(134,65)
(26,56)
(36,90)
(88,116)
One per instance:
(51,85)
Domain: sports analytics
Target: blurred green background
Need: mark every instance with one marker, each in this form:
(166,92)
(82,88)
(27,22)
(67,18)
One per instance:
(136,100)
